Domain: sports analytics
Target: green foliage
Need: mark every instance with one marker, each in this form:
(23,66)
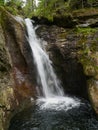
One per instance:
(47,8)
(15,3)
(29,8)
(14,7)
(75,4)
(93,3)
(1,2)
(86,31)
(50,8)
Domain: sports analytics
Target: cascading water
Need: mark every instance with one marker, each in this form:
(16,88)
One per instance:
(52,91)
(50,84)
(54,111)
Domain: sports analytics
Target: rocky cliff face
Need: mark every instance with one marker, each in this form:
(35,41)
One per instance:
(17,83)
(88,56)
(62,48)
(7,98)
(74,53)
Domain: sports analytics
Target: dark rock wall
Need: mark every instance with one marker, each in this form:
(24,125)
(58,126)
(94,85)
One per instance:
(62,49)
(74,53)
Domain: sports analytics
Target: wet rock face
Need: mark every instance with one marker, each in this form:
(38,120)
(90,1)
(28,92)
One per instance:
(62,49)
(88,56)
(17,75)
(75,58)
(21,56)
(74,53)
(8,102)
(7,97)
(4,64)
(61,21)
(93,93)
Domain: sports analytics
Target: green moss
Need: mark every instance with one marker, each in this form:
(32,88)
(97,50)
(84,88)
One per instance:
(87,54)
(86,31)
(88,58)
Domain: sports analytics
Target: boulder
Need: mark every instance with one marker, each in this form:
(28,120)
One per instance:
(88,56)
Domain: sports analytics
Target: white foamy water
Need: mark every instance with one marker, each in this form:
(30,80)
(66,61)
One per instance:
(49,85)
(58,103)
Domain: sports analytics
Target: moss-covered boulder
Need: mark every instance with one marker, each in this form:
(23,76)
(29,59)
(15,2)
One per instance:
(88,56)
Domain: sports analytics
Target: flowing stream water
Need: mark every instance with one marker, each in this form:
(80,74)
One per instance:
(53,110)
(46,77)
(50,91)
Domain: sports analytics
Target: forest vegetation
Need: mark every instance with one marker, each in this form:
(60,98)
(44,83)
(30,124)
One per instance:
(46,8)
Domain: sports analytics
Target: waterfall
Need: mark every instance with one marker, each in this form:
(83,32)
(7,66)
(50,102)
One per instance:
(51,88)
(47,78)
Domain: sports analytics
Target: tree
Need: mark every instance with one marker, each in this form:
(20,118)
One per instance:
(29,7)
(93,3)
(48,8)
(77,4)
(14,3)
(14,6)
(2,2)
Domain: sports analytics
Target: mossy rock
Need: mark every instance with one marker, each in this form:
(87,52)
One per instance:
(88,50)
(93,93)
